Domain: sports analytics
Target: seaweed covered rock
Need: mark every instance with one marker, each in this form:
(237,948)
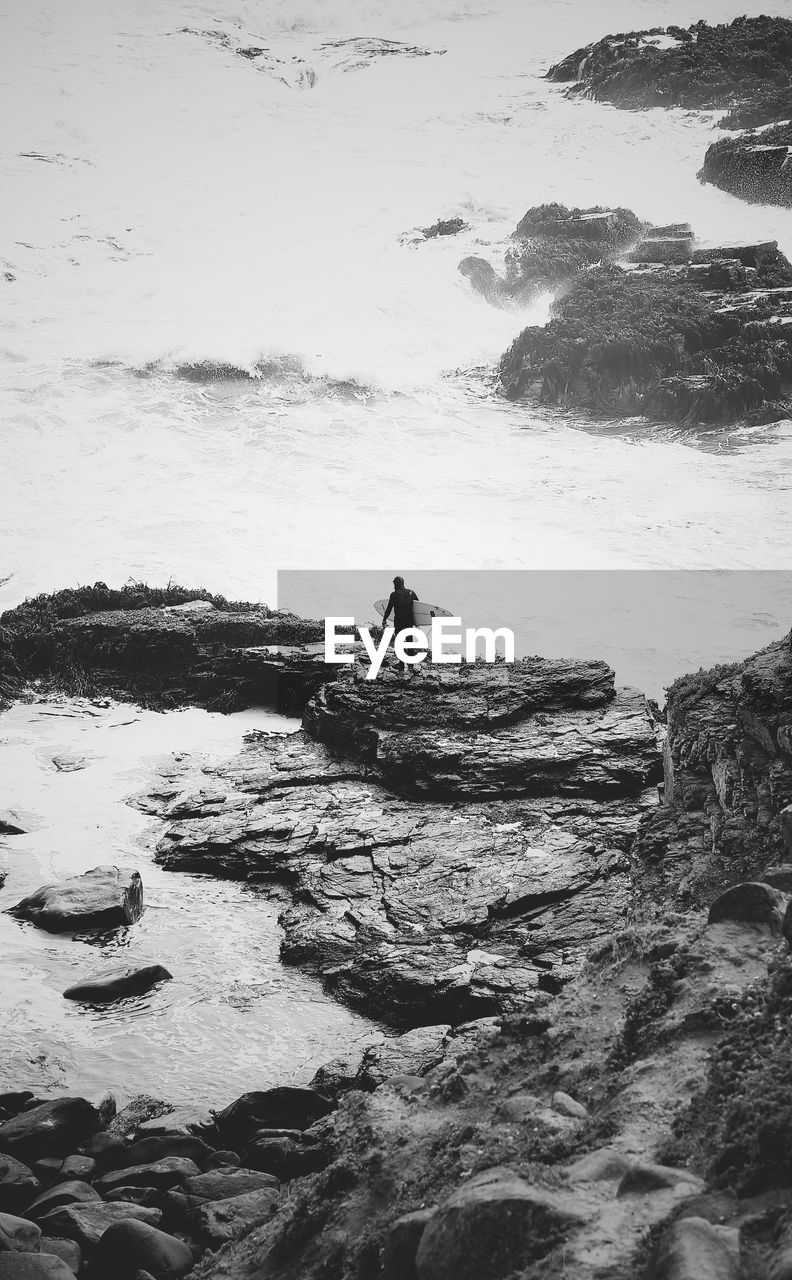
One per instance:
(550,246)
(162,647)
(745,66)
(707,342)
(702,66)
(754,166)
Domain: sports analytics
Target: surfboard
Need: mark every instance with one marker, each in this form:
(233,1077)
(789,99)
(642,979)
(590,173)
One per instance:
(422,612)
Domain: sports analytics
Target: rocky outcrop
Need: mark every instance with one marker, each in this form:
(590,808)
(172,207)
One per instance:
(552,244)
(202,651)
(105,898)
(756,166)
(745,66)
(728,767)
(687,334)
(435,873)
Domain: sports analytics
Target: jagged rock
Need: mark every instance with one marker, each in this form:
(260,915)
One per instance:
(754,166)
(641,1179)
(73,1192)
(413,916)
(494,1225)
(17,1235)
(222,1220)
(728,780)
(116,984)
(401,1245)
(87,1223)
(34,1266)
(693,1249)
(100,899)
(751,903)
(9,823)
(168,1172)
(664,249)
(59,1125)
(483,278)
(127,1247)
(18,1185)
(445,227)
(286,1107)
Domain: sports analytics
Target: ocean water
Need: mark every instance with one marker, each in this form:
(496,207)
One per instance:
(222,353)
(169,204)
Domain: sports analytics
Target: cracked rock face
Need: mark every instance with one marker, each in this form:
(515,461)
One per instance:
(442,873)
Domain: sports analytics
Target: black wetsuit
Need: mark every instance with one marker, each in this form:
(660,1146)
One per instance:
(401,602)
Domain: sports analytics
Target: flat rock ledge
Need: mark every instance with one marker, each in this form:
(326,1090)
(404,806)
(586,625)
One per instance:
(434,874)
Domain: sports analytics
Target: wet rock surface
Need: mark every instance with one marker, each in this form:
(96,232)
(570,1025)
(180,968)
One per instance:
(104,898)
(422,911)
(117,984)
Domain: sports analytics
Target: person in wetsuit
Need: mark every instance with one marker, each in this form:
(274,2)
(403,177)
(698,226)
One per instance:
(400,603)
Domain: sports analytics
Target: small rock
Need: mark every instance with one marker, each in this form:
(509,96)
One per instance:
(107,1150)
(605,1165)
(9,823)
(183,1120)
(132,1195)
(519,1106)
(494,1225)
(162,1175)
(77,1166)
(87,1223)
(18,1185)
(693,1249)
(34,1266)
(62,1193)
(117,984)
(221,1159)
(48,1168)
(401,1245)
(128,1247)
(17,1235)
(100,899)
(568,1106)
(67,762)
(779,877)
(226,1184)
(642,1179)
(750,903)
(52,1127)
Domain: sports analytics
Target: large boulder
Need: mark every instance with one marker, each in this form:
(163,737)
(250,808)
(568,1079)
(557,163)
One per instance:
(100,899)
(495,1225)
(750,903)
(53,1127)
(116,984)
(285,1107)
(694,1249)
(148,1150)
(129,1247)
(18,1185)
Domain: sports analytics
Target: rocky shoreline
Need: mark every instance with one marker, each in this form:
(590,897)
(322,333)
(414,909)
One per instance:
(580,939)
(743,67)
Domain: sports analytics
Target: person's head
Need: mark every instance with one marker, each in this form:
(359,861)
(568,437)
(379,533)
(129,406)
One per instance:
(398,583)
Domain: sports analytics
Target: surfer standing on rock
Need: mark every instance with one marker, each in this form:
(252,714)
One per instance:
(400,602)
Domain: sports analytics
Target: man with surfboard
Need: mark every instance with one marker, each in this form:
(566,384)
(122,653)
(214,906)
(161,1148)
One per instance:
(400,601)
